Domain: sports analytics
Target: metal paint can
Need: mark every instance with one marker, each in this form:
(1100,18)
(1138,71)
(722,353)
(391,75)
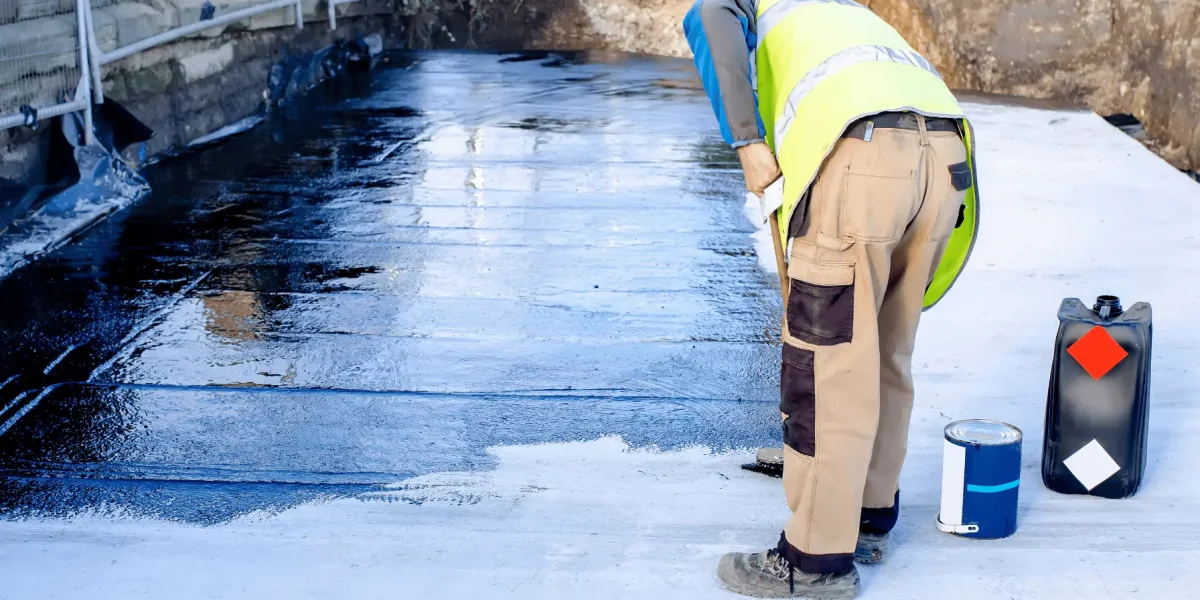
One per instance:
(981,474)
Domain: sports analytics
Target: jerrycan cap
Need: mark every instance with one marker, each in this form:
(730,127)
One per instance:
(1107,306)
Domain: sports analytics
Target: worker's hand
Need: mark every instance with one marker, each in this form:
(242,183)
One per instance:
(758,167)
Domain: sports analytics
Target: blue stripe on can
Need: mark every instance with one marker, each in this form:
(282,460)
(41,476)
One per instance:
(992,489)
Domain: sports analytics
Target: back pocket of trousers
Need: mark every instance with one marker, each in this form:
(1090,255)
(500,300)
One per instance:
(798,400)
(820,307)
(877,208)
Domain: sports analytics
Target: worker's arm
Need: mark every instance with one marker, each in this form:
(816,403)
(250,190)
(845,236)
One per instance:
(721,34)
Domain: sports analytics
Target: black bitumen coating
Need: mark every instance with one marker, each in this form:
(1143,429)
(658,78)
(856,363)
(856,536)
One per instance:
(464,250)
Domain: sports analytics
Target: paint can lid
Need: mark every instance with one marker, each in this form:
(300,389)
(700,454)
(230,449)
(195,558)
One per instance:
(983,432)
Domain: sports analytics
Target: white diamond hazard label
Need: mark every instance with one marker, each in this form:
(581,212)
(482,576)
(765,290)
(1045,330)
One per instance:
(1091,465)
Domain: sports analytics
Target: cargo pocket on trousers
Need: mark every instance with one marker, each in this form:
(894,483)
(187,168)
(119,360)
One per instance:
(820,307)
(951,208)
(798,399)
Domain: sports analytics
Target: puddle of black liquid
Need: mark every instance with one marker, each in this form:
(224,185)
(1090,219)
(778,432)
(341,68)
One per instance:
(552,59)
(397,112)
(552,125)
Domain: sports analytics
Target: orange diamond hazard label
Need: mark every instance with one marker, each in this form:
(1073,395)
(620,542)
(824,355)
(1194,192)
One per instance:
(1097,352)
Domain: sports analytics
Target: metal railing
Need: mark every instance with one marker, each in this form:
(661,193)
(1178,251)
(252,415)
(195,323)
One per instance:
(332,6)
(50,71)
(30,59)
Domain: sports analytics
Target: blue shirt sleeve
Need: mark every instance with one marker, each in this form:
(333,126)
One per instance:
(706,66)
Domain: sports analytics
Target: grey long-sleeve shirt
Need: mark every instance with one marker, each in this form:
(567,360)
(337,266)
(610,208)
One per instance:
(722,35)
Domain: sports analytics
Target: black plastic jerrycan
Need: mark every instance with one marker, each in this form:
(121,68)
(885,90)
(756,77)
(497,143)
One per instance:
(1097,407)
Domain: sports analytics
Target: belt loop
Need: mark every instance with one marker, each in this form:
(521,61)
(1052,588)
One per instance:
(923,130)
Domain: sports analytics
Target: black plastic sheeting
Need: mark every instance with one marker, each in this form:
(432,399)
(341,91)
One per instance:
(77,175)
(74,172)
(295,75)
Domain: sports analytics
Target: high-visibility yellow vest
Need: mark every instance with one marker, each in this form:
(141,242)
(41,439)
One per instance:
(820,65)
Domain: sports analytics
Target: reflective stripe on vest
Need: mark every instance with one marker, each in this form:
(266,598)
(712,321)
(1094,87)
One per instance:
(772,16)
(837,62)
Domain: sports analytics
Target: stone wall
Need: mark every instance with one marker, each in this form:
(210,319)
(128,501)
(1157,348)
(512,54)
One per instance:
(1140,57)
(193,86)
(649,26)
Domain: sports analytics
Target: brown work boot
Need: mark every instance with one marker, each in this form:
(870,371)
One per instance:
(768,574)
(871,548)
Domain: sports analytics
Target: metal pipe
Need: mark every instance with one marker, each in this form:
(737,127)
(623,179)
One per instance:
(83,91)
(299,14)
(333,4)
(84,95)
(94,58)
(174,34)
(44,113)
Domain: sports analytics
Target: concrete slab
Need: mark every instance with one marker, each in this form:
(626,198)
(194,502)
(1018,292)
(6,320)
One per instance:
(437,341)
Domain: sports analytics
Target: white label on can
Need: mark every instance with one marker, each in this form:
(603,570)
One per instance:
(954,469)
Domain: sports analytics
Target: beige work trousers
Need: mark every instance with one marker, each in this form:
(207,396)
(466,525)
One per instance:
(876,225)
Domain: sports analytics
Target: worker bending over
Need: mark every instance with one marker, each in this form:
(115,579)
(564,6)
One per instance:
(880,212)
